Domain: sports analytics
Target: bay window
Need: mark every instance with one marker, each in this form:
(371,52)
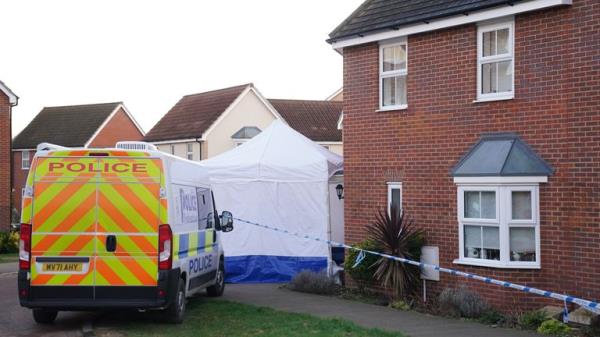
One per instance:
(495,61)
(498,225)
(392,75)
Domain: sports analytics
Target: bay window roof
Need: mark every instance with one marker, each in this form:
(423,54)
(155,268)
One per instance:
(501,154)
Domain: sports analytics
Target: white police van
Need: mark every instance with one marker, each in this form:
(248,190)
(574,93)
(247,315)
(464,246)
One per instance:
(135,227)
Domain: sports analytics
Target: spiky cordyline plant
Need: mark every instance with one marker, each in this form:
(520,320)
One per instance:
(396,236)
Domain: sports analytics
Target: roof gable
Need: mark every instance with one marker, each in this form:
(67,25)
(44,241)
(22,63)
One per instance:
(501,154)
(316,120)
(12,98)
(71,126)
(194,114)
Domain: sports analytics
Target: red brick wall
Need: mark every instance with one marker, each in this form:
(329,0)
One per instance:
(556,110)
(19,177)
(5,138)
(120,127)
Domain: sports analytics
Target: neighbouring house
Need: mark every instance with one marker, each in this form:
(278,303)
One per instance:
(7,101)
(481,119)
(203,125)
(316,120)
(90,125)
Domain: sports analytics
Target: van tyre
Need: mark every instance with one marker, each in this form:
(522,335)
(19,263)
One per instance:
(175,312)
(44,316)
(218,288)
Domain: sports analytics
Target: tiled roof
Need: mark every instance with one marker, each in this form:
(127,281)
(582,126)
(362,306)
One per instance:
(194,114)
(501,154)
(377,15)
(316,120)
(64,125)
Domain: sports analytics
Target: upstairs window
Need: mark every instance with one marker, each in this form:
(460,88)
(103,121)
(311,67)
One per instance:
(495,61)
(392,76)
(190,151)
(25,163)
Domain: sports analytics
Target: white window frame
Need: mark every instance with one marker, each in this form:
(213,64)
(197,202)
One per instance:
(393,186)
(25,164)
(510,56)
(503,221)
(393,73)
(189,153)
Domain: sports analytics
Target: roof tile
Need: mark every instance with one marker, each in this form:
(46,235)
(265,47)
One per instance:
(71,126)
(316,120)
(194,114)
(377,15)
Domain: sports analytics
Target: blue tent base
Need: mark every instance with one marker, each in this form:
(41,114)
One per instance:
(269,269)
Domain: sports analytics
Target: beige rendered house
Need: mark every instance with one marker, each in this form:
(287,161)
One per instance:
(203,125)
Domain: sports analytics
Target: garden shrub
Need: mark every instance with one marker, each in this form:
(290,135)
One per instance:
(397,235)
(533,319)
(308,281)
(492,317)
(9,242)
(553,327)
(400,305)
(463,302)
(364,271)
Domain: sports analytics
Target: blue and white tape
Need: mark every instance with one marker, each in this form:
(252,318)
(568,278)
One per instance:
(586,304)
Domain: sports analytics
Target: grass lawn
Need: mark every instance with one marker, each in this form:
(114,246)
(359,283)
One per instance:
(216,318)
(12,257)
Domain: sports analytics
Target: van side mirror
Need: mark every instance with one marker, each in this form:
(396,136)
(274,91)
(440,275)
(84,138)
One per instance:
(226,222)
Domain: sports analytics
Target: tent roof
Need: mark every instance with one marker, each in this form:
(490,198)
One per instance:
(279,153)
(501,154)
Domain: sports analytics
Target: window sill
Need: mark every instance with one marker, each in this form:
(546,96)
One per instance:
(393,108)
(493,99)
(497,264)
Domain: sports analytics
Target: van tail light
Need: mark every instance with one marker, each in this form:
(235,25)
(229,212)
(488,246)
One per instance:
(165,247)
(25,247)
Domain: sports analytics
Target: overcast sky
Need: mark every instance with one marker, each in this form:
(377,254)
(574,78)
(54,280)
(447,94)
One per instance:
(150,53)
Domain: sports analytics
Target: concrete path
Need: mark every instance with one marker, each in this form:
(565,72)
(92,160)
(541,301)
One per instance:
(408,322)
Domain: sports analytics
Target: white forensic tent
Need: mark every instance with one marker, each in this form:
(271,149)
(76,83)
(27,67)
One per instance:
(278,178)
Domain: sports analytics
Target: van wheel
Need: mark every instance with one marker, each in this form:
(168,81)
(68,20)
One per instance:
(44,316)
(218,288)
(175,312)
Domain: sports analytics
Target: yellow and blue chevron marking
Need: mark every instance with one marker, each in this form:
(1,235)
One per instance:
(191,244)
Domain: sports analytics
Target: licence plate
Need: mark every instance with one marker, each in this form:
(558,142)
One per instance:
(62,267)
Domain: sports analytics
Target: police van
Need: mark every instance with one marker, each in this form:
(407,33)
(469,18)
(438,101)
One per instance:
(126,227)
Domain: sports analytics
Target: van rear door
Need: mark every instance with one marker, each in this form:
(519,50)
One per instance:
(128,221)
(95,223)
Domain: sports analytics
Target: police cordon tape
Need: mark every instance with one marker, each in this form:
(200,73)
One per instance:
(591,306)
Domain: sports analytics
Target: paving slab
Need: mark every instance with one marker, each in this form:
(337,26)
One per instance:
(411,323)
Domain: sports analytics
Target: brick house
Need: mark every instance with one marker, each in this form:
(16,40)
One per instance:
(482,120)
(7,100)
(90,125)
(206,124)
